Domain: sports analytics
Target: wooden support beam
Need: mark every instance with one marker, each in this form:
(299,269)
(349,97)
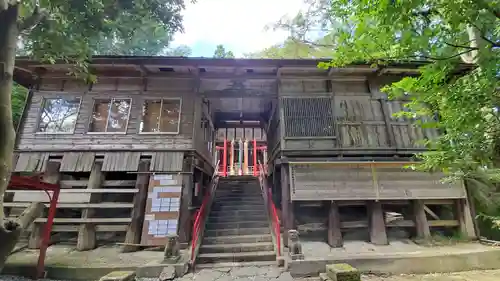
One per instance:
(421,223)
(287,216)
(185,223)
(464,217)
(51,175)
(87,232)
(378,233)
(334,233)
(134,230)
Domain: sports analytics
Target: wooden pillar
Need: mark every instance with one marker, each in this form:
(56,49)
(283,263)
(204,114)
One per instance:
(185,224)
(287,216)
(87,232)
(334,233)
(421,223)
(51,175)
(134,230)
(378,233)
(464,217)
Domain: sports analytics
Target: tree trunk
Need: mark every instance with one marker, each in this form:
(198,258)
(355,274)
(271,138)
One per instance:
(9,230)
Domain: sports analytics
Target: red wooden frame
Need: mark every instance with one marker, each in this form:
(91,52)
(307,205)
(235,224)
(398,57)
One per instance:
(34,183)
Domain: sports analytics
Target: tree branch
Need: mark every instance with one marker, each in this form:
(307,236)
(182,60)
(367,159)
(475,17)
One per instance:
(461,46)
(35,18)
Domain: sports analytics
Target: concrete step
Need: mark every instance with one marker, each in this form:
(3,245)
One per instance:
(238,207)
(239,224)
(239,198)
(237,248)
(236,218)
(255,238)
(236,257)
(231,213)
(237,231)
(236,264)
(238,203)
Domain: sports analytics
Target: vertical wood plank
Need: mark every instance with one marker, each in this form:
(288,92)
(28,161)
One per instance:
(51,175)
(378,233)
(133,235)
(334,233)
(185,224)
(387,118)
(287,216)
(465,219)
(421,223)
(87,233)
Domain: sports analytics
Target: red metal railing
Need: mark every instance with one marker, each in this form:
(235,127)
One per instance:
(201,214)
(271,208)
(34,183)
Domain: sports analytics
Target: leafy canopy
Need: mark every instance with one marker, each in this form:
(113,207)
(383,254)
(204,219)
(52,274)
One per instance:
(220,52)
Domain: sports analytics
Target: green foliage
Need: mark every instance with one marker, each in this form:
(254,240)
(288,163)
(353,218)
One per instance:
(296,49)
(220,53)
(18,98)
(179,51)
(75,30)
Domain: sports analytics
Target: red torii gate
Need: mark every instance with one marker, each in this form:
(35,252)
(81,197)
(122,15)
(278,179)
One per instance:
(35,183)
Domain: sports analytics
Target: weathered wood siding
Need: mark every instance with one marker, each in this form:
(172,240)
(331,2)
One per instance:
(135,89)
(363,116)
(356,181)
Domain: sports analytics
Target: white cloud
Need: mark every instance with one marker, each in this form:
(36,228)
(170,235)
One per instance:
(237,24)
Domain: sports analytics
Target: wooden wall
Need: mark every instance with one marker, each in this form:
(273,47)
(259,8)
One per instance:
(135,88)
(358,116)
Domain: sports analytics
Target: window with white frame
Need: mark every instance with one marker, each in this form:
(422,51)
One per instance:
(161,116)
(110,116)
(59,115)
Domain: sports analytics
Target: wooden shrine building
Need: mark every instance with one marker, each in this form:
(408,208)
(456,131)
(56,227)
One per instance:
(136,148)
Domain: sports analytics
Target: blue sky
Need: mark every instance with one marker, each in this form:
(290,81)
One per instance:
(237,24)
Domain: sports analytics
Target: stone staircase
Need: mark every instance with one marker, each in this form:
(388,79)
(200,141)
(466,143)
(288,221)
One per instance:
(237,230)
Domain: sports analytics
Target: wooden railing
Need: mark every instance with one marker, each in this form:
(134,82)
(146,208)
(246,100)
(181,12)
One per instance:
(201,216)
(271,208)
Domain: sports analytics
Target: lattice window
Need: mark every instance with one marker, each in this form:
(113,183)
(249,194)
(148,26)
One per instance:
(308,117)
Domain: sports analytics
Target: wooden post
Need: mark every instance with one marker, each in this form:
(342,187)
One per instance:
(51,175)
(378,234)
(334,233)
(287,216)
(465,219)
(421,223)
(134,230)
(86,232)
(184,227)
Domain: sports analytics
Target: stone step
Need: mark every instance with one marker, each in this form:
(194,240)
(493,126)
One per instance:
(234,213)
(254,238)
(239,198)
(238,203)
(237,231)
(237,248)
(239,224)
(236,218)
(236,257)
(236,264)
(238,207)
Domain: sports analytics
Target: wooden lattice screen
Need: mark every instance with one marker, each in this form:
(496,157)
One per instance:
(308,116)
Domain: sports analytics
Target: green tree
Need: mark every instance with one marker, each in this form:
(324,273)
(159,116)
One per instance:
(62,30)
(18,99)
(444,34)
(296,49)
(179,51)
(220,53)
